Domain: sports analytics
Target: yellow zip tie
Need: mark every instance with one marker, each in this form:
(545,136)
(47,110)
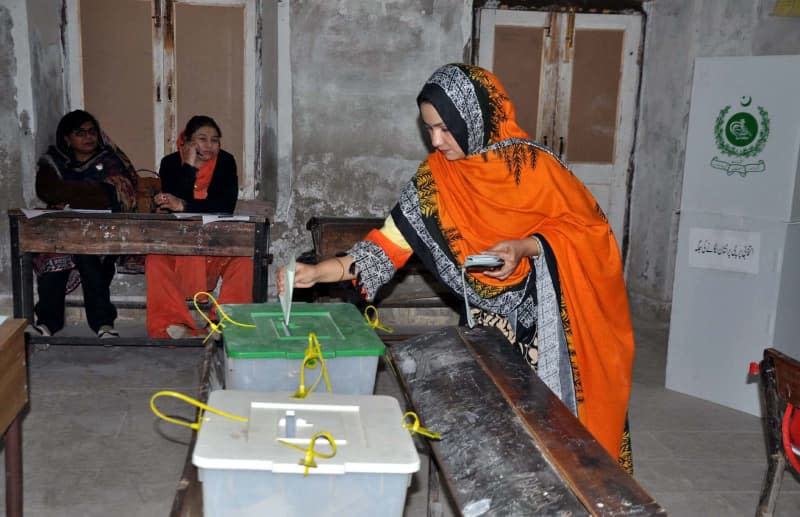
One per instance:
(216,327)
(415,427)
(371,315)
(308,460)
(312,357)
(193,402)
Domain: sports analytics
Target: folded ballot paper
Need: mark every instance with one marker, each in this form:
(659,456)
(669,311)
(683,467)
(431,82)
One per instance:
(288,288)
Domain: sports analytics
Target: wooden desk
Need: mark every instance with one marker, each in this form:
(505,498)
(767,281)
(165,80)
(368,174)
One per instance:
(509,445)
(130,234)
(14,397)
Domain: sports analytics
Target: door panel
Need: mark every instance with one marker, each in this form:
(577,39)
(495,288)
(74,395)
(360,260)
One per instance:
(117,56)
(520,78)
(594,98)
(209,52)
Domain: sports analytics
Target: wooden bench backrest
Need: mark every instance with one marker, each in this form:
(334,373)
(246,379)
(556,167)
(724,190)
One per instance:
(332,235)
(787,376)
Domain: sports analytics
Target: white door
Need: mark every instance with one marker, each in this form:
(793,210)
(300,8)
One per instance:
(574,79)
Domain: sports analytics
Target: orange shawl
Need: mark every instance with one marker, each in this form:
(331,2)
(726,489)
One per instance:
(204,172)
(511,188)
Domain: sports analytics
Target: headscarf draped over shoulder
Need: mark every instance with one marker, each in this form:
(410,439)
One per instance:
(508,187)
(110,165)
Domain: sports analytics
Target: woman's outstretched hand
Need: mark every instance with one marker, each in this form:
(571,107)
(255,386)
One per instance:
(305,275)
(512,252)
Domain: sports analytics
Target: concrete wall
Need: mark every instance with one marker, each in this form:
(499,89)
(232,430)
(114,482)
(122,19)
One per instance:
(32,82)
(356,69)
(678,31)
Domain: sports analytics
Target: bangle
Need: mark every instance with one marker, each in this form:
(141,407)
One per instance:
(341,266)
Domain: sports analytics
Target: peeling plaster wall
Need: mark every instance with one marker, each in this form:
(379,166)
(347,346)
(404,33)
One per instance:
(356,68)
(31,78)
(677,32)
(11,142)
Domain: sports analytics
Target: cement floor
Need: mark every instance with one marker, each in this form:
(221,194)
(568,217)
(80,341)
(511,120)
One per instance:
(92,447)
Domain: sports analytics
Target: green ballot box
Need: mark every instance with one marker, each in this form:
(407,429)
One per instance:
(267,354)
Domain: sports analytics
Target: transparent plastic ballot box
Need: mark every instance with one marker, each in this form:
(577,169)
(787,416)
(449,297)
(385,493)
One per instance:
(246,470)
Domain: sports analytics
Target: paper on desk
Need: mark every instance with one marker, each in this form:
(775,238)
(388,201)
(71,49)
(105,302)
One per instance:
(288,287)
(213,218)
(30,213)
(87,210)
(210,218)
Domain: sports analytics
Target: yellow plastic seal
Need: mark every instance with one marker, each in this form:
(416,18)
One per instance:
(194,402)
(416,427)
(312,358)
(308,460)
(371,315)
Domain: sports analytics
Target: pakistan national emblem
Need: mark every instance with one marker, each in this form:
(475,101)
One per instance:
(742,136)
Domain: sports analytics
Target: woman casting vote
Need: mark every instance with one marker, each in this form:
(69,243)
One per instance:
(559,295)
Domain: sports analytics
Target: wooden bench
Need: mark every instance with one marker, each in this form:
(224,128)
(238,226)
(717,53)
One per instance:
(780,382)
(509,446)
(76,232)
(14,397)
(412,287)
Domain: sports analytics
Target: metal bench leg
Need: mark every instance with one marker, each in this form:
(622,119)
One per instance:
(772,485)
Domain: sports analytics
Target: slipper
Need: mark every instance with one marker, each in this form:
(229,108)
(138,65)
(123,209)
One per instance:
(106,332)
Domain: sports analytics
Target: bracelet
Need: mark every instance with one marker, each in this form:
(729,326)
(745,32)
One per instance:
(341,266)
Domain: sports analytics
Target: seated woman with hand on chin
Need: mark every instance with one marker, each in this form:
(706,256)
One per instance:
(198,178)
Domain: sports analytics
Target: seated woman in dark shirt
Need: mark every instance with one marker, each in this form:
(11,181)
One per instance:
(83,169)
(198,178)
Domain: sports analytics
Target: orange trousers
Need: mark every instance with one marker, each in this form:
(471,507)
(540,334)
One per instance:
(172,279)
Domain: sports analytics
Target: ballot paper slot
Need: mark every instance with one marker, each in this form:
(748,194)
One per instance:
(272,326)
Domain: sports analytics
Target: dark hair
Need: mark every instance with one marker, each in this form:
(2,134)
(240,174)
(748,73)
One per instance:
(196,123)
(72,121)
(434,95)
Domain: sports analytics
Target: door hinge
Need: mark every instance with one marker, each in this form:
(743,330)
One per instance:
(570,29)
(552,18)
(157,13)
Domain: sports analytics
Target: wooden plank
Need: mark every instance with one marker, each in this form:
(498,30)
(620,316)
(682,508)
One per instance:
(188,500)
(486,457)
(13,373)
(472,386)
(332,235)
(125,234)
(593,475)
